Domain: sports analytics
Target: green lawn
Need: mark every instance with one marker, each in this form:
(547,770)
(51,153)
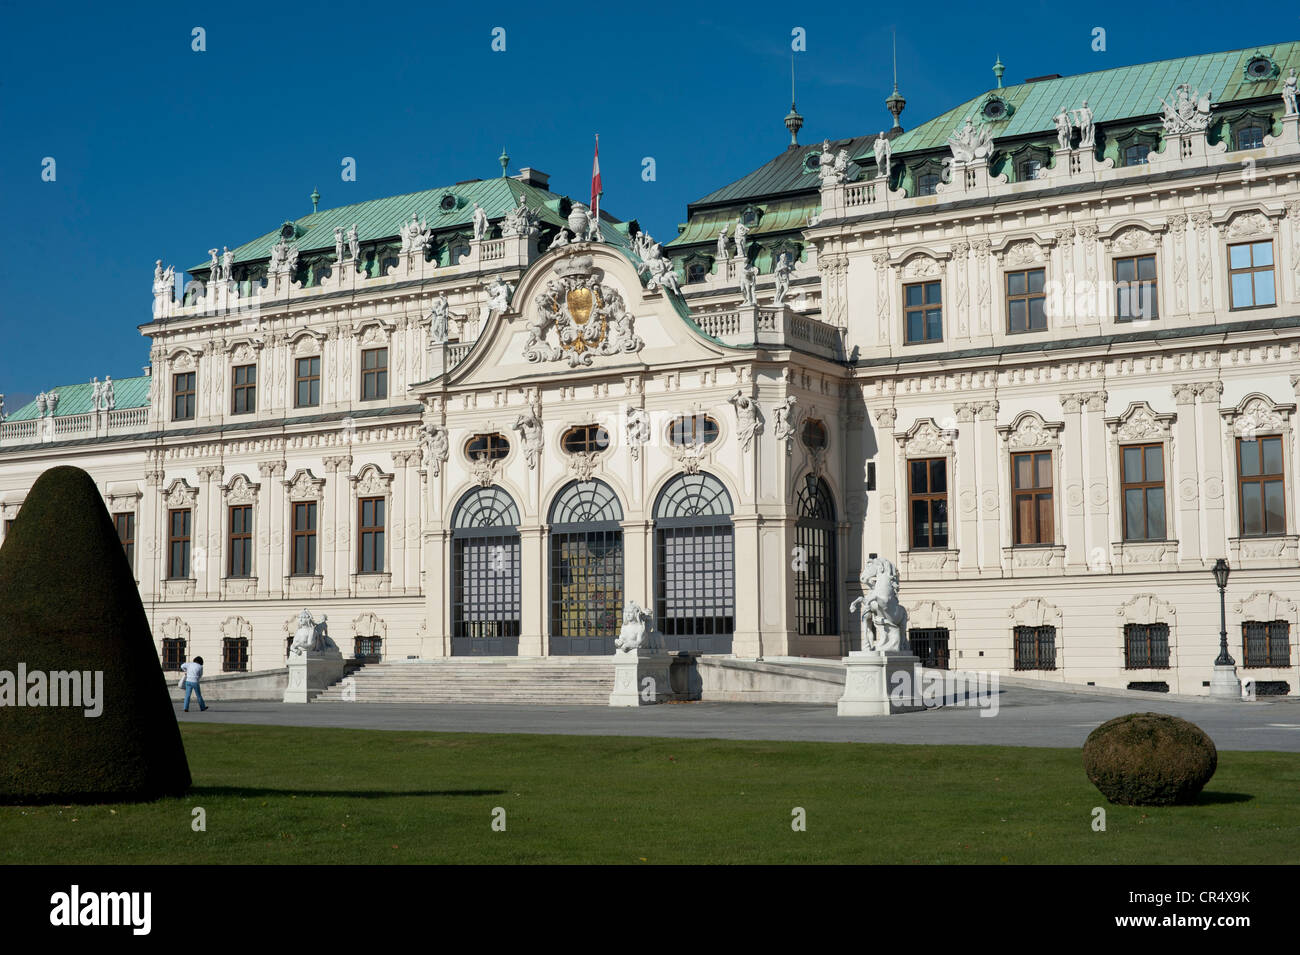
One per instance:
(294,795)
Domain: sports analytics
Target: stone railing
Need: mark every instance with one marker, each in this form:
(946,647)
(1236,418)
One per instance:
(493,250)
(74,424)
(456,352)
(779,327)
(20,432)
(718,324)
(91,424)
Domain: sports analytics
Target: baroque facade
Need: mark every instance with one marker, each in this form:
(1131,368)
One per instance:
(1047,364)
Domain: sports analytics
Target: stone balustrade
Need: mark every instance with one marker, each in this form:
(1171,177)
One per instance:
(91,424)
(778,326)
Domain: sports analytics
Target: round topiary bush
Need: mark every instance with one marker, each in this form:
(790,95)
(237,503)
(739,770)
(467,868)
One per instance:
(1149,759)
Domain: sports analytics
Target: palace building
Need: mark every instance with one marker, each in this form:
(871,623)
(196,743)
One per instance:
(1042,352)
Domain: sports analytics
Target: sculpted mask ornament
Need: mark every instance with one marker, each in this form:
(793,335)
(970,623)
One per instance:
(588,317)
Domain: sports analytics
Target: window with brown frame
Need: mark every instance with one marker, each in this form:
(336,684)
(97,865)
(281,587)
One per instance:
(1146,646)
(9,525)
(1261,486)
(1031,497)
(370,540)
(1266,643)
(124,523)
(240,563)
(487,447)
(1026,301)
(928,501)
(692,429)
(1142,483)
(1135,288)
(374,374)
(1034,648)
(585,438)
(234,654)
(1250,275)
(183,396)
(306,382)
(243,398)
(173,653)
(923,312)
(178,543)
(304,539)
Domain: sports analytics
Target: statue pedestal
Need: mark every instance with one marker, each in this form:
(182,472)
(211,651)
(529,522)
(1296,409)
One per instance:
(1224,684)
(879,684)
(312,672)
(632,670)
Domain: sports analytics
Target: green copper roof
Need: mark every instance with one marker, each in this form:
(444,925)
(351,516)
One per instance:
(1126,92)
(781,215)
(380,218)
(75,399)
(788,172)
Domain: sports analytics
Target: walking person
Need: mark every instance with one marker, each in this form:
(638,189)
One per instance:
(193,672)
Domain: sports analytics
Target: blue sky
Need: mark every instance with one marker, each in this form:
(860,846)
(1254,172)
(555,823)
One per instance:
(163,152)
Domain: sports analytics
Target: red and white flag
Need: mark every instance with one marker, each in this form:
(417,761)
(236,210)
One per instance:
(595,176)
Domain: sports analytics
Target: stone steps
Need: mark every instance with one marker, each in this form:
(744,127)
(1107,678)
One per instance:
(554,681)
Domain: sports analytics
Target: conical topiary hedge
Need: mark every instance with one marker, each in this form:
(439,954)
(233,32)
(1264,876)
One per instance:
(69,603)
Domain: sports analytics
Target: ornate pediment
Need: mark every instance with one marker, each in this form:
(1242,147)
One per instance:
(1035,612)
(1131,239)
(180,494)
(926,437)
(1023,252)
(304,486)
(1248,223)
(585,317)
(1141,423)
(921,266)
(1257,414)
(1030,431)
(241,491)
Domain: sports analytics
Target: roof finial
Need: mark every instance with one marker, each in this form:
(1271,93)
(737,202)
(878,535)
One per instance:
(793,121)
(998,70)
(504,160)
(895,102)
(315,198)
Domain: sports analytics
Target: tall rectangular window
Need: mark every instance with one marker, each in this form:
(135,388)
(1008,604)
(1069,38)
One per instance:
(244,397)
(1035,648)
(1261,486)
(178,543)
(183,396)
(173,653)
(1031,497)
(1266,644)
(370,543)
(1026,301)
(1250,274)
(240,563)
(1143,487)
(1135,288)
(234,654)
(928,501)
(304,539)
(125,526)
(374,374)
(1146,646)
(923,311)
(306,381)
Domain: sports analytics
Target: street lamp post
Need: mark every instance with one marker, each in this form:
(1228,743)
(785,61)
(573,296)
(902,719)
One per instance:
(1224,684)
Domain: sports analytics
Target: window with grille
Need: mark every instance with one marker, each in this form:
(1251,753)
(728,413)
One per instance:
(1026,301)
(240,543)
(306,382)
(928,501)
(1135,288)
(931,645)
(485,574)
(304,539)
(923,311)
(374,374)
(370,648)
(586,568)
(1031,497)
(370,536)
(183,396)
(125,525)
(815,581)
(490,447)
(1143,489)
(178,543)
(1035,648)
(693,429)
(1146,646)
(234,654)
(585,438)
(243,399)
(1266,644)
(695,565)
(1261,486)
(1250,275)
(173,653)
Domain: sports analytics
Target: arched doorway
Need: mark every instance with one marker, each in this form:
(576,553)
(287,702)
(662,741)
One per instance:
(485,589)
(816,574)
(695,565)
(586,594)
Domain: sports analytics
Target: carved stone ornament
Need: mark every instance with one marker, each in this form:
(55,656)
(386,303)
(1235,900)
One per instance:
(1131,239)
(1257,416)
(921,266)
(180,494)
(688,456)
(1030,431)
(305,487)
(373,482)
(484,470)
(1249,223)
(1024,252)
(435,447)
(637,427)
(926,437)
(1141,423)
(587,317)
(241,491)
(1189,112)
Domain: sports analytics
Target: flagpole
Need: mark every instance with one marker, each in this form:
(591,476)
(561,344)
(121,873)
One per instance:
(597,201)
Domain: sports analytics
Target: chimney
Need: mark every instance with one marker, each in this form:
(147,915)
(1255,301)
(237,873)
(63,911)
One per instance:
(534,177)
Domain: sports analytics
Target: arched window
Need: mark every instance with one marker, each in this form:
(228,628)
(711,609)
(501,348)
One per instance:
(586,569)
(695,565)
(816,577)
(485,589)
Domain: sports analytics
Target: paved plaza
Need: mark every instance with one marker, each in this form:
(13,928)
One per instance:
(1025,717)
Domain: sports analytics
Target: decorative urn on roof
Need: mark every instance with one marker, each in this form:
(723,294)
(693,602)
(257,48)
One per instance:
(579,219)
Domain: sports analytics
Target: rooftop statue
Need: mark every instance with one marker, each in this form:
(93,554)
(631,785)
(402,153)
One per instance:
(561,239)
(884,621)
(480,222)
(1289,93)
(110,393)
(520,220)
(227,264)
(782,271)
(498,295)
(1063,128)
(830,170)
(970,143)
(1087,132)
(742,232)
(883,152)
(748,284)
(338,243)
(415,235)
(662,275)
(1189,112)
(354,247)
(723,253)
